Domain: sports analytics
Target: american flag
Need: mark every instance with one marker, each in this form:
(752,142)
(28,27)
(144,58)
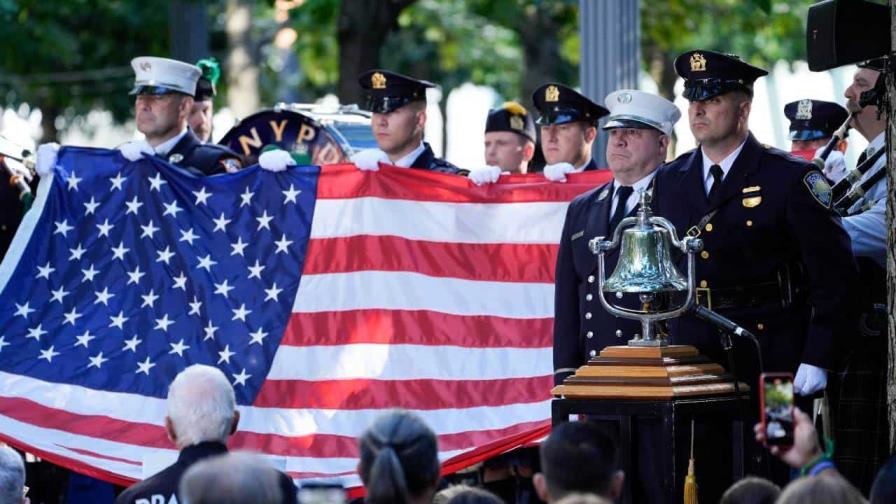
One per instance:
(326,295)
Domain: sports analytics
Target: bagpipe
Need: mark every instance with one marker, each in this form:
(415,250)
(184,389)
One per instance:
(851,188)
(18,164)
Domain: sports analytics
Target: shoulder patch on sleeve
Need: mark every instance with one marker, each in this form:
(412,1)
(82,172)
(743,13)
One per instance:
(819,188)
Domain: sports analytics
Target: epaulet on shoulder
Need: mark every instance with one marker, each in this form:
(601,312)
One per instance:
(782,154)
(217,147)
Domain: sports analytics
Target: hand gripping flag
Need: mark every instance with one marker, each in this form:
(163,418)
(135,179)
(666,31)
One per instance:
(326,295)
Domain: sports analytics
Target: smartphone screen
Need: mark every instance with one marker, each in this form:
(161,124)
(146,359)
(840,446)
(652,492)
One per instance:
(777,409)
(317,493)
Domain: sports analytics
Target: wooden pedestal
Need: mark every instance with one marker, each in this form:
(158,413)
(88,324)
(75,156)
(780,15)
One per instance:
(631,372)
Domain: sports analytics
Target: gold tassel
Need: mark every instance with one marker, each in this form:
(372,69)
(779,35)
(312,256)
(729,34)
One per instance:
(690,481)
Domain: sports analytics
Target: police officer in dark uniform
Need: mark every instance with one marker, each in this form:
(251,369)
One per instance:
(568,128)
(776,259)
(164,91)
(812,124)
(398,104)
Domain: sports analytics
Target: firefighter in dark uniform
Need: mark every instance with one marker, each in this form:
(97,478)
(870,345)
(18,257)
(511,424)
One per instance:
(639,125)
(398,104)
(164,91)
(568,128)
(776,259)
(812,124)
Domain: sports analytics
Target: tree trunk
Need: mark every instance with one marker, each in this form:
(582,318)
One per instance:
(539,36)
(242,69)
(891,240)
(188,29)
(362,27)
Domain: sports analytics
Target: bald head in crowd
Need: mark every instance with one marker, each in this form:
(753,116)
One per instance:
(234,478)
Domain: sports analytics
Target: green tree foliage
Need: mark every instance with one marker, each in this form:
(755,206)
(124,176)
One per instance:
(70,57)
(760,31)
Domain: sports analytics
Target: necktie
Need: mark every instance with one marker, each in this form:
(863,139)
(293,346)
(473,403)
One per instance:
(623,192)
(715,191)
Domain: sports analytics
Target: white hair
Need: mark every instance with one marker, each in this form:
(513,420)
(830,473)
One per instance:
(201,405)
(12,476)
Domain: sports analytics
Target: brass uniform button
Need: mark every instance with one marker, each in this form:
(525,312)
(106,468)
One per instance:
(749,223)
(590,278)
(588,297)
(708,226)
(588,316)
(703,284)
(589,334)
(593,353)
(760,326)
(704,254)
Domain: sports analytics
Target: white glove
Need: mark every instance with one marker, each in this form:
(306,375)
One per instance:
(486,175)
(370,159)
(809,379)
(132,150)
(834,165)
(46,158)
(557,172)
(276,160)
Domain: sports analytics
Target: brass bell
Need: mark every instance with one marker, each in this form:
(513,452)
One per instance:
(645,263)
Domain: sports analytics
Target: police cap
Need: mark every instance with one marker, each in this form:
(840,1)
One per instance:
(708,73)
(386,91)
(814,119)
(511,117)
(560,104)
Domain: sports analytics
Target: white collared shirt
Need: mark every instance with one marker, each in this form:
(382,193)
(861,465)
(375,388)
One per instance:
(406,161)
(165,147)
(725,164)
(633,199)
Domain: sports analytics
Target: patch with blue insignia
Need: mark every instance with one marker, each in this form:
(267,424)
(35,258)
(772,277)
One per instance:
(819,188)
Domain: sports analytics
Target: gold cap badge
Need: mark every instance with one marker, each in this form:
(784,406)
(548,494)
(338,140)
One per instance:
(698,62)
(516,122)
(551,94)
(378,81)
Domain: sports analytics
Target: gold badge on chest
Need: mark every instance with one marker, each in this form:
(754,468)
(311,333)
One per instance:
(751,197)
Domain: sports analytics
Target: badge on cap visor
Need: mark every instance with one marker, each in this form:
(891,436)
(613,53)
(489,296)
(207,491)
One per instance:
(698,63)
(804,110)
(145,66)
(552,94)
(624,98)
(378,81)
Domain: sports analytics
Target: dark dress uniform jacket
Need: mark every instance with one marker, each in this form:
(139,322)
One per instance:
(427,160)
(162,486)
(199,158)
(767,220)
(582,328)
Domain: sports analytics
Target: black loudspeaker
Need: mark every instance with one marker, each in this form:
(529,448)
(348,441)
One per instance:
(842,32)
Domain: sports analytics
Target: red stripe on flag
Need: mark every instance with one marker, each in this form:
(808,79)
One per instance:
(141,434)
(90,453)
(416,327)
(424,185)
(497,262)
(412,394)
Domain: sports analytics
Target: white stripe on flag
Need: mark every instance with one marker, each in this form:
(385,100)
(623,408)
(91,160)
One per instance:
(414,291)
(438,221)
(408,362)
